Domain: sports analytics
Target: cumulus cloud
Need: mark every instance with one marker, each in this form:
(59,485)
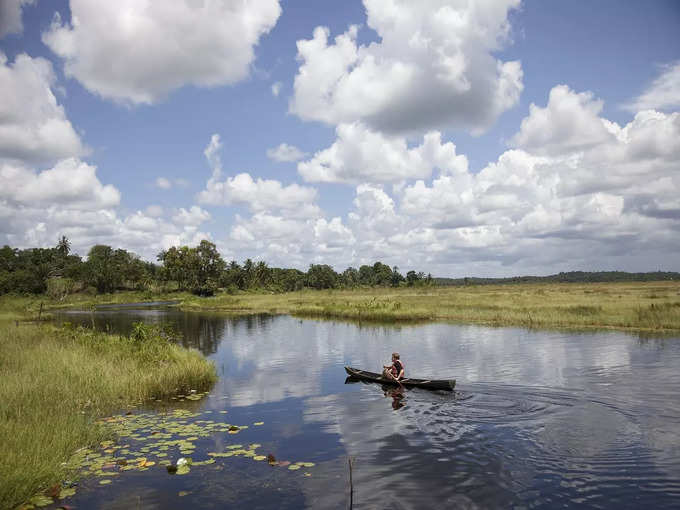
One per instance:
(295,242)
(259,195)
(569,122)
(362,155)
(202,43)
(662,94)
(565,205)
(37,207)
(194,216)
(285,153)
(33,125)
(70,182)
(432,67)
(555,202)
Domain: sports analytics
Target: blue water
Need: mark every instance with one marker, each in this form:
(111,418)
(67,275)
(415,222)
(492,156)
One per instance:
(540,419)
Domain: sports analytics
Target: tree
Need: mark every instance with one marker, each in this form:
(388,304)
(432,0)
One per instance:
(207,267)
(321,276)
(382,274)
(366,275)
(411,278)
(350,277)
(101,270)
(396,277)
(64,246)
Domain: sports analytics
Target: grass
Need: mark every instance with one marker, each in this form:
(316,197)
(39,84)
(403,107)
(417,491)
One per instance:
(639,306)
(57,382)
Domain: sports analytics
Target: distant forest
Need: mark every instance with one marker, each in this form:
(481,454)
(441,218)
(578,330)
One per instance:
(568,277)
(202,270)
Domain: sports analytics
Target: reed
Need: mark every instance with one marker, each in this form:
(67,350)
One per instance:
(57,382)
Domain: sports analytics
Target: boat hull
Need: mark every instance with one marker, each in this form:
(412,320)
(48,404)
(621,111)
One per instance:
(428,384)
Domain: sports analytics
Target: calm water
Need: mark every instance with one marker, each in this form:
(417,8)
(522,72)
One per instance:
(539,419)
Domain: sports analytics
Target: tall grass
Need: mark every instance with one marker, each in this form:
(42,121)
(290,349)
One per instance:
(54,383)
(643,306)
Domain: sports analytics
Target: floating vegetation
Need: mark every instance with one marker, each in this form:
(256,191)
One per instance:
(153,439)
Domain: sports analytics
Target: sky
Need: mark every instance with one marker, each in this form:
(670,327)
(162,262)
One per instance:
(460,138)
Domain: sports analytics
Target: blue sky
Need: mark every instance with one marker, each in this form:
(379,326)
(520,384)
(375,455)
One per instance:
(410,136)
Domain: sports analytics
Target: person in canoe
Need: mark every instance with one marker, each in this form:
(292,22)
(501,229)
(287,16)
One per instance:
(394,371)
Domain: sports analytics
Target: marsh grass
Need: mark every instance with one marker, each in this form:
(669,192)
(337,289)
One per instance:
(643,306)
(57,382)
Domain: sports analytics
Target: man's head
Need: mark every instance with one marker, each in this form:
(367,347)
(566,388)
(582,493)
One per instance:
(395,355)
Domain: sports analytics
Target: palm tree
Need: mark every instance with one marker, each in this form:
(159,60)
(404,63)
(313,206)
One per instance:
(64,246)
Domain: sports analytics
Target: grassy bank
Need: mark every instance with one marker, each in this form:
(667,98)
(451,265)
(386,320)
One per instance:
(644,306)
(56,382)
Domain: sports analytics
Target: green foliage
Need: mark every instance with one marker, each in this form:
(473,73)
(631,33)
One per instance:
(198,269)
(202,271)
(321,276)
(56,382)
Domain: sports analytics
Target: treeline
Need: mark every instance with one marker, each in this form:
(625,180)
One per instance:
(567,277)
(201,270)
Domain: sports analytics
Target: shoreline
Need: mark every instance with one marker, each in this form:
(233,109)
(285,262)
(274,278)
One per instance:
(622,306)
(57,382)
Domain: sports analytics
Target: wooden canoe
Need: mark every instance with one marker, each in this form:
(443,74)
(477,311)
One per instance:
(428,384)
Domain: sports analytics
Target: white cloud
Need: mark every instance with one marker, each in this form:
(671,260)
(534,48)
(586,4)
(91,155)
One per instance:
(662,94)
(276,88)
(361,155)
(260,195)
(432,67)
(70,182)
(292,242)
(561,206)
(33,125)
(192,217)
(285,153)
(569,122)
(163,183)
(139,51)
(10,16)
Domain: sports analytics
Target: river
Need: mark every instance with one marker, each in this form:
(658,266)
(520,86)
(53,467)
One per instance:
(539,419)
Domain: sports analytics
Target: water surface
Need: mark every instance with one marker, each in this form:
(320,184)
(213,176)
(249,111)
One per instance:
(540,419)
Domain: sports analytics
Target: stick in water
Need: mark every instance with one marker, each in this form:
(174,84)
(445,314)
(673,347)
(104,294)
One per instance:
(351,485)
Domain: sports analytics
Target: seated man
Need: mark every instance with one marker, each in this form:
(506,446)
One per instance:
(394,371)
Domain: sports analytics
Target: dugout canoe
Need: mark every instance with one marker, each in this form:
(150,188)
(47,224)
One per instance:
(410,382)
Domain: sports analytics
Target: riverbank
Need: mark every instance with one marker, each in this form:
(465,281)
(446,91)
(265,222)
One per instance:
(57,382)
(636,306)
(643,306)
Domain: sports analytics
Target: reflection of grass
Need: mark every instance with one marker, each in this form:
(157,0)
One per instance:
(648,306)
(641,306)
(54,382)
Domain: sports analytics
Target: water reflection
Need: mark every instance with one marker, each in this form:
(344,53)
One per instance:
(540,419)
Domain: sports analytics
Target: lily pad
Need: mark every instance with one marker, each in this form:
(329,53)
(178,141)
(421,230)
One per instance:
(41,500)
(66,492)
(104,482)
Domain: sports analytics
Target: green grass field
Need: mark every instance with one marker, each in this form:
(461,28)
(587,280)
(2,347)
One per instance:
(648,306)
(57,382)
